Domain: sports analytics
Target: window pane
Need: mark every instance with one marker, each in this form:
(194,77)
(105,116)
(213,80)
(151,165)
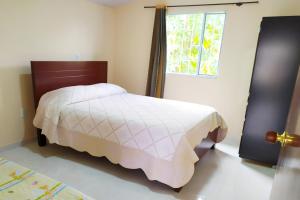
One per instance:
(211,46)
(184,41)
(188,42)
(193,65)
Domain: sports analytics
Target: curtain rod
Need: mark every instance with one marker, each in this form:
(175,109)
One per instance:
(212,4)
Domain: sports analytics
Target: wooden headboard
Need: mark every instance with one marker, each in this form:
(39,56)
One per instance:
(52,75)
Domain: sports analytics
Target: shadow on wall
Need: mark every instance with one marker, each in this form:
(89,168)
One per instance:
(27,103)
(16,105)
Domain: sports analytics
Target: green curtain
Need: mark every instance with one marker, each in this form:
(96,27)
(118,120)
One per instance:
(158,57)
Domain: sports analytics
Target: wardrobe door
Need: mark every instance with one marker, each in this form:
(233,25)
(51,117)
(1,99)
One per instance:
(273,81)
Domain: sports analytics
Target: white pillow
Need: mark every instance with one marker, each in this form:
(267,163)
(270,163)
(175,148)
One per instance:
(84,93)
(108,89)
(80,93)
(52,102)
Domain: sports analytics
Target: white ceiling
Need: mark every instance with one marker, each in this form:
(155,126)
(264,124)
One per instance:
(111,2)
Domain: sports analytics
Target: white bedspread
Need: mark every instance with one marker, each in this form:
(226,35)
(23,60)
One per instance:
(156,135)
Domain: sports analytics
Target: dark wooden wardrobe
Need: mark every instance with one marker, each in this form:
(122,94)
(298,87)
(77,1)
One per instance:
(273,81)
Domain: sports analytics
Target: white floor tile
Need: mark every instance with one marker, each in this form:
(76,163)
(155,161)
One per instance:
(218,176)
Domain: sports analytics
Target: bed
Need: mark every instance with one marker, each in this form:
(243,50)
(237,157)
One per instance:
(76,107)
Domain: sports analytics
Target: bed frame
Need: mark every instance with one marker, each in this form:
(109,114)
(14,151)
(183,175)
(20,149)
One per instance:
(52,75)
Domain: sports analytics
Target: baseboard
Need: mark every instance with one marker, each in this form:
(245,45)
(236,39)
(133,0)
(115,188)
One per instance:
(15,145)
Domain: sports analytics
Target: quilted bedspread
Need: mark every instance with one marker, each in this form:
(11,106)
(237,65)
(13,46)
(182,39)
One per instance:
(135,131)
(17,182)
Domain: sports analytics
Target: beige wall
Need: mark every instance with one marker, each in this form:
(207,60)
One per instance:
(44,30)
(229,92)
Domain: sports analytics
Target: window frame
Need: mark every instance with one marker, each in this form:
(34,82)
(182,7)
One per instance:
(198,74)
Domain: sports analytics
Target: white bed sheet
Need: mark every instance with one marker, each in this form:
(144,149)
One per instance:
(156,135)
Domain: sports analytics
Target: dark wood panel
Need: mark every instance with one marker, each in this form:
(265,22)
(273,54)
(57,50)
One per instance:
(52,75)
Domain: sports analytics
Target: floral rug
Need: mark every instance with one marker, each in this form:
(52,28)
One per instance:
(20,183)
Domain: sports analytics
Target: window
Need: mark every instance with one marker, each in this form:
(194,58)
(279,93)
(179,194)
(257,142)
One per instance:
(194,43)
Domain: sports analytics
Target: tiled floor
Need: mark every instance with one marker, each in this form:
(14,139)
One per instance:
(218,176)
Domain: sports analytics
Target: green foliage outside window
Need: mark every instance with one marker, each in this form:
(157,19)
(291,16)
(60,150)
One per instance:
(194,43)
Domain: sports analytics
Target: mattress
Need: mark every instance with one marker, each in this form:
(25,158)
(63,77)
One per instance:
(155,135)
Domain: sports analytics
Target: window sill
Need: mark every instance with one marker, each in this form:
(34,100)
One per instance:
(192,75)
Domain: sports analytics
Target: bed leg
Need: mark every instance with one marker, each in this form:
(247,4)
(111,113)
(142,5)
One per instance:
(177,189)
(42,141)
(213,147)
